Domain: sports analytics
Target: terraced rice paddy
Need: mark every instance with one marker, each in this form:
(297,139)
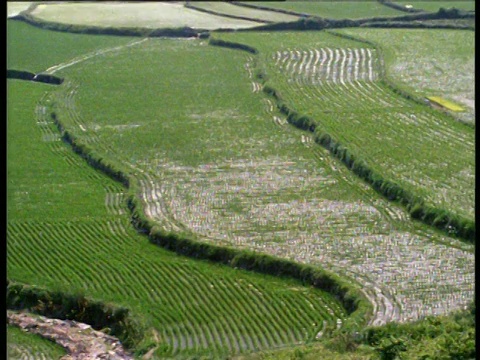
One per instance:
(214,159)
(429,62)
(253,182)
(325,84)
(131,14)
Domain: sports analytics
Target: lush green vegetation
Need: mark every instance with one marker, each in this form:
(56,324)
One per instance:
(376,121)
(210,168)
(22,345)
(334,9)
(22,42)
(231,172)
(74,224)
(429,62)
(437,4)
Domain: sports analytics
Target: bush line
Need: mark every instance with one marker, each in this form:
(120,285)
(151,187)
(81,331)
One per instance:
(259,7)
(27,75)
(232,45)
(319,23)
(186,244)
(71,306)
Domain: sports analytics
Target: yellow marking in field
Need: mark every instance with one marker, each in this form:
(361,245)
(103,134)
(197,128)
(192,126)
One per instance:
(446,103)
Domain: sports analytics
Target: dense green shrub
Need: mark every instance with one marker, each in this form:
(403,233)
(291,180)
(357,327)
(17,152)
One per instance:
(232,45)
(75,306)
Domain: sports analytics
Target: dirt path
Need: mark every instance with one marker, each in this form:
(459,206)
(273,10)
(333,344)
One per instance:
(80,340)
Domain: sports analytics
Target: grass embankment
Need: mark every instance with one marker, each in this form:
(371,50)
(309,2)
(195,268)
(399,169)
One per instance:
(21,345)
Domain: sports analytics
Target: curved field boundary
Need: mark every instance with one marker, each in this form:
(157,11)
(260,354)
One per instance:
(411,20)
(26,75)
(441,219)
(193,7)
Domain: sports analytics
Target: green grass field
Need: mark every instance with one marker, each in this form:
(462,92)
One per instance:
(429,62)
(22,345)
(334,9)
(437,4)
(188,302)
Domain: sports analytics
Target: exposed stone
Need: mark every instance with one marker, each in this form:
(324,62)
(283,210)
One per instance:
(80,340)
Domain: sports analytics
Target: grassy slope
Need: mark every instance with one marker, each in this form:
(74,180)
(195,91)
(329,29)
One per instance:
(335,9)
(21,344)
(22,42)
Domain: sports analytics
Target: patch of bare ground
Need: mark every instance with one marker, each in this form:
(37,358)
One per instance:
(80,340)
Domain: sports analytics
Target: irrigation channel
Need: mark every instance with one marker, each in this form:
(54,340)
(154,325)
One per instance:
(407,271)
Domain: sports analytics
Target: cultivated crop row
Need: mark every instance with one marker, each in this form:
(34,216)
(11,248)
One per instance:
(198,314)
(355,113)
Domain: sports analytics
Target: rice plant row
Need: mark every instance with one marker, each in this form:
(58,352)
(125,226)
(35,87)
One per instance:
(321,85)
(226,314)
(114,197)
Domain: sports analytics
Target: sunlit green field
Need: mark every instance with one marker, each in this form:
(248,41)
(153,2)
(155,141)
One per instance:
(213,158)
(216,159)
(335,9)
(437,4)
(429,62)
(427,152)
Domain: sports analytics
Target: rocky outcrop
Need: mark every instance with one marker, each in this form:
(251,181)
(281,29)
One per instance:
(80,340)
